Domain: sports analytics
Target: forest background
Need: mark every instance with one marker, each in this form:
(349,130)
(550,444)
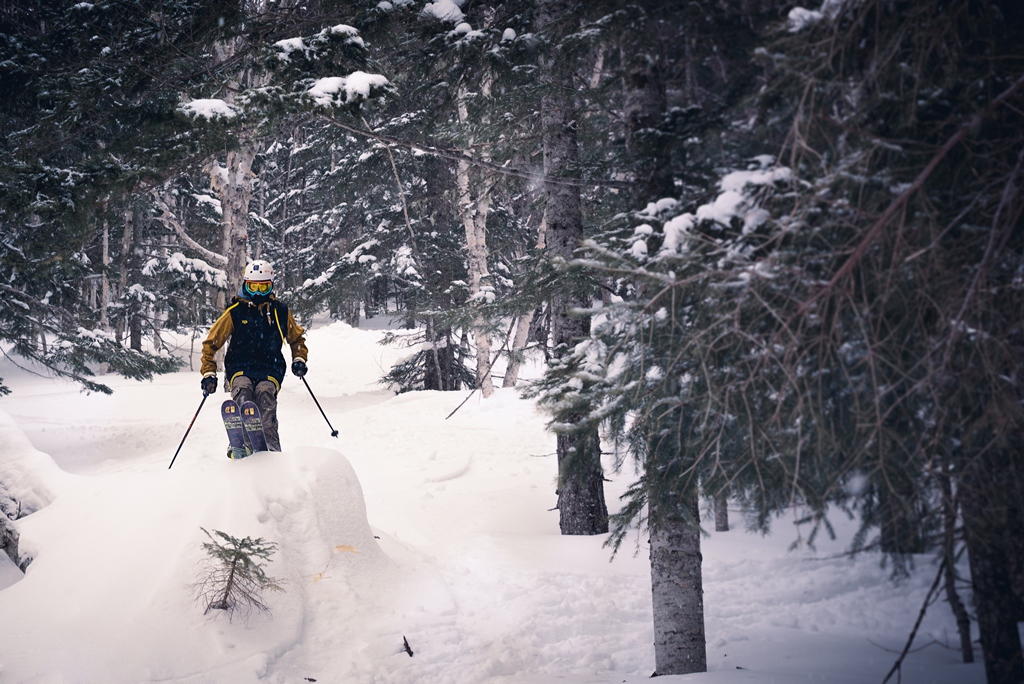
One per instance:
(771,254)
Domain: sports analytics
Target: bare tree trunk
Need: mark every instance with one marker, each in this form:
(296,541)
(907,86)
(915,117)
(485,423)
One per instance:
(983,493)
(287,185)
(122,281)
(351,312)
(722,512)
(129,276)
(258,248)
(963,620)
(645,106)
(690,73)
(233,181)
(170,220)
(89,287)
(581,504)
(474,219)
(135,330)
(677,589)
(478,257)
(233,185)
(515,358)
(159,315)
(105,282)
(439,373)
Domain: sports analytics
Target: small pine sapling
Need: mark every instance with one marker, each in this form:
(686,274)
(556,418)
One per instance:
(232,577)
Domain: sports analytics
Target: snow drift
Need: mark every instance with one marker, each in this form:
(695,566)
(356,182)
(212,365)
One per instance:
(469,564)
(30,476)
(137,537)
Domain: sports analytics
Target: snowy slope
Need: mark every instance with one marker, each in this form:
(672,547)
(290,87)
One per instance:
(107,595)
(467,563)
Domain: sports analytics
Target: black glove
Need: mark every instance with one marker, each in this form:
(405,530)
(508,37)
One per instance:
(209,384)
(298,367)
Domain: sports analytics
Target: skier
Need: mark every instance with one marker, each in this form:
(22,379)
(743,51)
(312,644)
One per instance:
(258,325)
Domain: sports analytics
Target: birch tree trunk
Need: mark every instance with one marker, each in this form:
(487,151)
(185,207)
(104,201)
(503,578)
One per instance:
(515,357)
(105,281)
(474,203)
(478,271)
(581,504)
(677,589)
(233,185)
(159,314)
(233,181)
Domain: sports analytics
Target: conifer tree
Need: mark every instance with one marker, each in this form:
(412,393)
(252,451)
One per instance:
(232,577)
(828,332)
(581,505)
(63,164)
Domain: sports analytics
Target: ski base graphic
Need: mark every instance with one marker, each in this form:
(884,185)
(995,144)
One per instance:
(253,425)
(232,416)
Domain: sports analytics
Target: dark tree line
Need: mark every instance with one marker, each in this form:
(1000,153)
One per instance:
(836,325)
(773,257)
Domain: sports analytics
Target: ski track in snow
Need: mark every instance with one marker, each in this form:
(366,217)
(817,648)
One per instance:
(407,526)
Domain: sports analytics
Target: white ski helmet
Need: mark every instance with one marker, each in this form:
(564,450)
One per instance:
(259,271)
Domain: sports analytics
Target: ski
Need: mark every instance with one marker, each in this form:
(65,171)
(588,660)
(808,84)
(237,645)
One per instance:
(253,425)
(233,425)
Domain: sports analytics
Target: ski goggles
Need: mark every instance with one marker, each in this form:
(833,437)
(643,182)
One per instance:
(254,287)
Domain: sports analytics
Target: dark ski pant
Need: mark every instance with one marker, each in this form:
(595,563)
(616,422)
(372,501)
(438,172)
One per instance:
(264,394)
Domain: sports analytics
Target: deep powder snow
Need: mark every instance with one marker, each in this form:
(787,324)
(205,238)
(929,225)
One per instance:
(407,527)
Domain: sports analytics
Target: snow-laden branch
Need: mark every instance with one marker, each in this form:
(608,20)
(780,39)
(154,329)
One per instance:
(876,228)
(170,221)
(458,155)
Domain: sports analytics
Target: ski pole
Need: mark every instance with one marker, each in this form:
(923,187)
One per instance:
(334,433)
(205,394)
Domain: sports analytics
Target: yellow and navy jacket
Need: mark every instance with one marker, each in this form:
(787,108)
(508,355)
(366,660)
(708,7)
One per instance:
(257,333)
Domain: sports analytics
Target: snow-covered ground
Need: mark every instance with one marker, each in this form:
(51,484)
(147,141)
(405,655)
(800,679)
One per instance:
(436,531)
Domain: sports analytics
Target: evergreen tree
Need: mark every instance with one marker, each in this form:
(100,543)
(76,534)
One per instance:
(233,578)
(63,163)
(395,176)
(581,504)
(837,331)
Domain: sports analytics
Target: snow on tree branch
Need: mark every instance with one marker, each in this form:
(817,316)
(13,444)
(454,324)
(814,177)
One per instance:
(208,109)
(327,92)
(168,219)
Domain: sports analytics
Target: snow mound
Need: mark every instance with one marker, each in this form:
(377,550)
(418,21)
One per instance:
(30,476)
(127,612)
